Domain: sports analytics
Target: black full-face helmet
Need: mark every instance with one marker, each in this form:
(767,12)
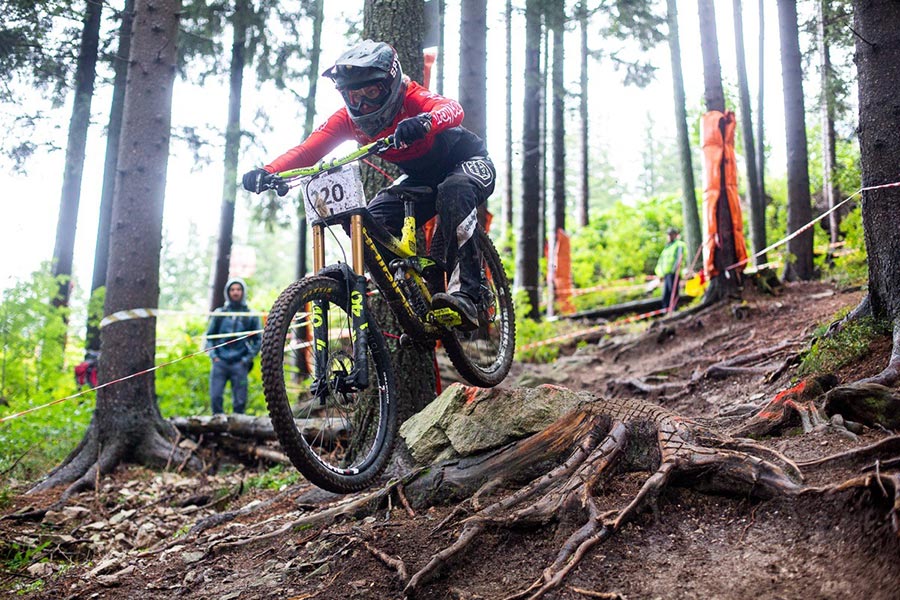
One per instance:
(370,79)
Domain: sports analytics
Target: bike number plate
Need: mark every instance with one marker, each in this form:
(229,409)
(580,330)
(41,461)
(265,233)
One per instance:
(334,193)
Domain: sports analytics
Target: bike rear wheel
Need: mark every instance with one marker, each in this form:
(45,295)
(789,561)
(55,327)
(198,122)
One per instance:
(483,356)
(340,440)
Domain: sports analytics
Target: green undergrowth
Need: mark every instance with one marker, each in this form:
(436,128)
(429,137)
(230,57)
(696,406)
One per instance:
(278,477)
(829,353)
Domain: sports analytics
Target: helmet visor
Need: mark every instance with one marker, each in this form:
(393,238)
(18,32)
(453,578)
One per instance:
(367,98)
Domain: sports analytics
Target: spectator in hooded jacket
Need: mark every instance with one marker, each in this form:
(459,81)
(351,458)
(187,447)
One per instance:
(231,362)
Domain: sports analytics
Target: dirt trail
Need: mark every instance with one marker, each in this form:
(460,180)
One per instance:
(695,546)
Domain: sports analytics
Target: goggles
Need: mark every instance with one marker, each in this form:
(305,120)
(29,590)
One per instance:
(367,98)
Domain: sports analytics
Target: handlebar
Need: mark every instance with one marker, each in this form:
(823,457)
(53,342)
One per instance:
(280,181)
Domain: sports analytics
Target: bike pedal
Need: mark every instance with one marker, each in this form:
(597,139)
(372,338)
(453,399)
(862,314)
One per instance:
(446,317)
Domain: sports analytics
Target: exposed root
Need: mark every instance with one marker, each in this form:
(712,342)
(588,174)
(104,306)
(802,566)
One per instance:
(886,485)
(396,564)
(889,447)
(637,436)
(891,373)
(91,459)
(352,506)
(739,365)
(788,406)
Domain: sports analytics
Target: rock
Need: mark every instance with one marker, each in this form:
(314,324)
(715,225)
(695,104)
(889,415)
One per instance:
(146,535)
(466,420)
(115,579)
(192,557)
(121,516)
(41,569)
(104,565)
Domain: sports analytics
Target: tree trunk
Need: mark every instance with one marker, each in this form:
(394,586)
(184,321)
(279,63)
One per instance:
(232,148)
(508,197)
(126,423)
(584,198)
(473,65)
(528,243)
(114,129)
(313,76)
(799,210)
(876,24)
(473,73)
(725,255)
(75,147)
(829,152)
(760,129)
(688,194)
(401,24)
(545,92)
(709,45)
(556,20)
(757,205)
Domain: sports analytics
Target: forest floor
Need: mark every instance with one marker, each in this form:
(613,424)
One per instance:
(130,539)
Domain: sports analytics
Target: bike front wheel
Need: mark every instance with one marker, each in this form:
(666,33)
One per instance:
(483,356)
(339,437)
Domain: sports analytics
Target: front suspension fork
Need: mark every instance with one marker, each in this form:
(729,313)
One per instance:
(358,377)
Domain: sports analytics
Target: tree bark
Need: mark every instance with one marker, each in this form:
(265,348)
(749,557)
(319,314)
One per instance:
(725,254)
(826,108)
(556,21)
(757,205)
(232,148)
(760,129)
(85,71)
(113,135)
(473,65)
(528,243)
(690,214)
(401,24)
(126,423)
(709,45)
(799,211)
(877,27)
(583,214)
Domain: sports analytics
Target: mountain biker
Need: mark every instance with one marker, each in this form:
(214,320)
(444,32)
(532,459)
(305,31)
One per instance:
(431,148)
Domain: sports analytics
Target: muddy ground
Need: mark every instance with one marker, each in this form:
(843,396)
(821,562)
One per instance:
(132,538)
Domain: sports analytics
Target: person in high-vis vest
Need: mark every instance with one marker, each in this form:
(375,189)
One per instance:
(671,260)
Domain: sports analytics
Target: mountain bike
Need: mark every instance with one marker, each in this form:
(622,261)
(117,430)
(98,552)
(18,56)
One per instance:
(338,426)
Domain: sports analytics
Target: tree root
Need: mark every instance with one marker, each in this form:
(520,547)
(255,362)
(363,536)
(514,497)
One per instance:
(789,406)
(623,435)
(891,373)
(91,459)
(396,564)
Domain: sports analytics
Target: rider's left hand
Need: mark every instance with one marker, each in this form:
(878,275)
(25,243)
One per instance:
(412,129)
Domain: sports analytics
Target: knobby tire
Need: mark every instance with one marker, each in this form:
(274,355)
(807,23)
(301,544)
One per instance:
(373,411)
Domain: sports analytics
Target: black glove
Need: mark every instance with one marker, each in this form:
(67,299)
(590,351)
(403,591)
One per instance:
(412,129)
(255,180)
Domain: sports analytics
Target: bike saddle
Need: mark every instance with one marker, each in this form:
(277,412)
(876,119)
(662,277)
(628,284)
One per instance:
(415,193)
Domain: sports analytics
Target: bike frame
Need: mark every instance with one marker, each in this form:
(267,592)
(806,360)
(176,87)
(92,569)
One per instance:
(404,263)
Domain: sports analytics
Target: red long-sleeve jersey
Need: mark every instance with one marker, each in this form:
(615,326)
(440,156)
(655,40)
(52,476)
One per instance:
(444,145)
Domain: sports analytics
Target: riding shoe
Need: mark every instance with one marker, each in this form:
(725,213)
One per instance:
(460,304)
